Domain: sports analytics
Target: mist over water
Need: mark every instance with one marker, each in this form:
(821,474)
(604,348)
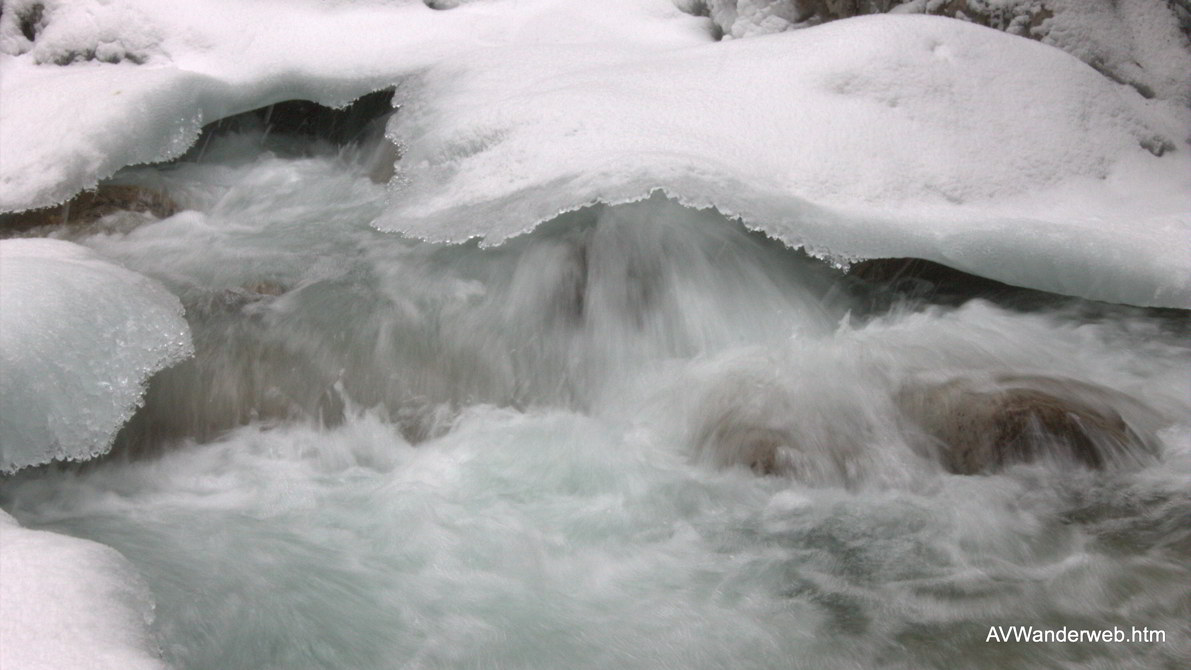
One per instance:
(393,454)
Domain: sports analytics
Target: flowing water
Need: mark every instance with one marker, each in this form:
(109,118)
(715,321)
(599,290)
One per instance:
(392,454)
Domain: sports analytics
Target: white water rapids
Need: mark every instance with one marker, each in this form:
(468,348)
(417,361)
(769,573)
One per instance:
(393,454)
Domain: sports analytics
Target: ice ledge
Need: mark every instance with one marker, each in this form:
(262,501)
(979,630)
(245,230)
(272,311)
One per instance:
(1076,258)
(79,338)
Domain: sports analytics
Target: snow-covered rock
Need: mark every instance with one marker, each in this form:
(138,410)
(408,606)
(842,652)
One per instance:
(1137,42)
(71,603)
(79,337)
(66,128)
(880,136)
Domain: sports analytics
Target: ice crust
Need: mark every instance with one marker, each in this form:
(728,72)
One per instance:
(889,135)
(71,603)
(1133,41)
(872,137)
(67,127)
(79,337)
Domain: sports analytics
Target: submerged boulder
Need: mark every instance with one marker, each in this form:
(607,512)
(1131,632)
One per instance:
(971,425)
(771,428)
(731,439)
(984,425)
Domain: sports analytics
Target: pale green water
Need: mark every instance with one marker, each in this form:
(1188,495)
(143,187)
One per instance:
(554,511)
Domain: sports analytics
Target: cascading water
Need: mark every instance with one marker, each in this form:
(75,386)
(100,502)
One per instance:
(637,437)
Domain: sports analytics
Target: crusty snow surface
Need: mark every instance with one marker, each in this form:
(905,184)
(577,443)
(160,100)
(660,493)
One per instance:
(79,338)
(67,603)
(890,135)
(875,136)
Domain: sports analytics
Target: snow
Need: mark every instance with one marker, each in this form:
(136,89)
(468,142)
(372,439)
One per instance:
(207,59)
(1133,41)
(70,603)
(888,135)
(878,136)
(870,137)
(79,336)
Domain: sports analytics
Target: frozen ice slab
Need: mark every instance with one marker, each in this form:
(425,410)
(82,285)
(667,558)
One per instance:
(71,603)
(79,337)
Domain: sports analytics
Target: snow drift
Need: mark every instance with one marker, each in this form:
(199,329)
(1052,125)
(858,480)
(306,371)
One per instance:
(869,137)
(79,336)
(876,136)
(71,603)
(1136,42)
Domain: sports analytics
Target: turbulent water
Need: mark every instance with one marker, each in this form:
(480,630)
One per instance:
(393,454)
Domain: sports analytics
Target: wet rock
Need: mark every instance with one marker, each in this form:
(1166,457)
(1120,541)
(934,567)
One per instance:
(236,299)
(90,206)
(761,424)
(982,426)
(732,440)
(265,288)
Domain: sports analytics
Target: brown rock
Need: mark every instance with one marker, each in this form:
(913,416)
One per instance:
(736,443)
(984,426)
(90,206)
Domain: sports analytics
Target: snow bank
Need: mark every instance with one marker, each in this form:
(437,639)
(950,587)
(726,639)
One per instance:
(65,128)
(876,136)
(79,336)
(869,137)
(1137,42)
(70,603)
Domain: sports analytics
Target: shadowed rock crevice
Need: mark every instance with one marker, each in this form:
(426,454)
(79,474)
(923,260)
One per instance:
(53,34)
(302,126)
(31,21)
(883,284)
(306,119)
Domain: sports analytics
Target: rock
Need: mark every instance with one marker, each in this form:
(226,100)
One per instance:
(755,421)
(89,206)
(731,441)
(982,426)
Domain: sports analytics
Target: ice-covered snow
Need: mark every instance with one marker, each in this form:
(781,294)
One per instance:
(70,603)
(1138,42)
(876,136)
(873,136)
(79,336)
(65,128)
